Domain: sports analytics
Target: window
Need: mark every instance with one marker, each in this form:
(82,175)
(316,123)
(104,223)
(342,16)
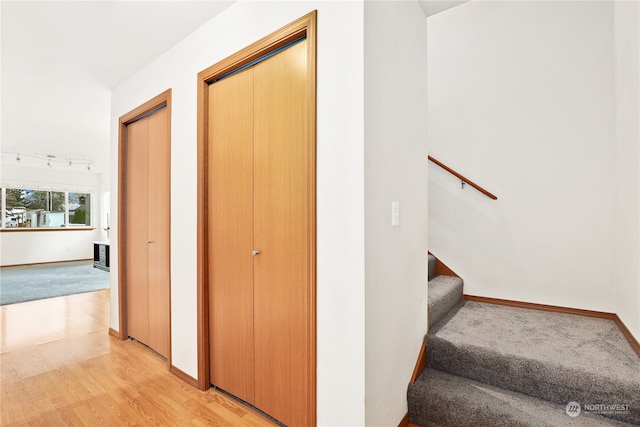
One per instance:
(79,209)
(32,208)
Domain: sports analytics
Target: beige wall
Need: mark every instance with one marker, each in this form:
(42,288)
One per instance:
(521,101)
(627,116)
(395,170)
(340,184)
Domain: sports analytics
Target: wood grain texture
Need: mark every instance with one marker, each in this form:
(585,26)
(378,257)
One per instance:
(404,422)
(162,99)
(281,224)
(202,233)
(183,376)
(442,269)
(137,253)
(230,245)
(462,178)
(421,362)
(628,335)
(306,25)
(159,226)
(60,367)
(542,307)
(146,154)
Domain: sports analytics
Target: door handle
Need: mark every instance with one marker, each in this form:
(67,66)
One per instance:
(255,253)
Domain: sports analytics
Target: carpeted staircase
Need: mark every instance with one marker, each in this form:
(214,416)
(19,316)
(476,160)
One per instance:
(492,365)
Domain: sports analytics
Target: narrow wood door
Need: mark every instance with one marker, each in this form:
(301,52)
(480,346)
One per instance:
(259,183)
(137,202)
(230,241)
(282,232)
(158,231)
(147,233)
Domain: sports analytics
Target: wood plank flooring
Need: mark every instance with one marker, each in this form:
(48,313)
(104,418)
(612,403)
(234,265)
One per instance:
(60,367)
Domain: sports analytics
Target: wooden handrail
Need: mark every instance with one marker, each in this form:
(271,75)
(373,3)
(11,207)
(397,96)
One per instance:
(463,179)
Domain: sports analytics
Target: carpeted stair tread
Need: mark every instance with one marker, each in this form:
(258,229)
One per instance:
(432,266)
(441,399)
(551,356)
(445,292)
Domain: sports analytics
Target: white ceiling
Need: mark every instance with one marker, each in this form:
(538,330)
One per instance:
(61,59)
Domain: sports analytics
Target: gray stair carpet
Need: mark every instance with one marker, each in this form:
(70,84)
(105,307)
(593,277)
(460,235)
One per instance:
(441,399)
(555,357)
(432,266)
(444,293)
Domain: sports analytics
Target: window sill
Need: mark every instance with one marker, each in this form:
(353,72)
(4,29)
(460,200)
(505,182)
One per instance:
(30,229)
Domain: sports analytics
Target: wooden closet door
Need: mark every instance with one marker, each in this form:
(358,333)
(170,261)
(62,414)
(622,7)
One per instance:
(147,199)
(230,240)
(282,233)
(158,231)
(136,209)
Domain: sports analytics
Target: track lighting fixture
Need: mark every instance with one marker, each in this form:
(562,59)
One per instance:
(50,160)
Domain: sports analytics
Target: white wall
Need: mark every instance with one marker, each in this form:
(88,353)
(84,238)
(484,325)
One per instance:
(340,184)
(32,247)
(395,153)
(521,101)
(627,115)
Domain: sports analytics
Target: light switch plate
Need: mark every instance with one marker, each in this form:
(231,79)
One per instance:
(395,213)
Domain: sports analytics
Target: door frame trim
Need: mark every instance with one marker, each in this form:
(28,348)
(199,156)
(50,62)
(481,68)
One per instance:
(163,99)
(305,25)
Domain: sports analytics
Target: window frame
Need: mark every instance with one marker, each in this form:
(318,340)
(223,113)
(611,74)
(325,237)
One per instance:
(68,226)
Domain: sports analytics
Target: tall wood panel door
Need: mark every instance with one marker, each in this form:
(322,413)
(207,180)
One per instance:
(281,233)
(137,253)
(259,235)
(231,235)
(147,225)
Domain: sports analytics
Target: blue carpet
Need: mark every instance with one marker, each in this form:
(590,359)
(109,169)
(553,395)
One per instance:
(33,282)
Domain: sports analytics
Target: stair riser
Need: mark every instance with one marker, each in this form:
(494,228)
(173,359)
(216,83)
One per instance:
(440,399)
(436,414)
(444,294)
(555,384)
(432,266)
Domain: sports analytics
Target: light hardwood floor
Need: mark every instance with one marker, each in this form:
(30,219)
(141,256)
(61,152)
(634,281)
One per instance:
(60,367)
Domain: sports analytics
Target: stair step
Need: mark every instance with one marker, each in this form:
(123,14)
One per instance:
(441,399)
(432,266)
(556,357)
(445,292)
